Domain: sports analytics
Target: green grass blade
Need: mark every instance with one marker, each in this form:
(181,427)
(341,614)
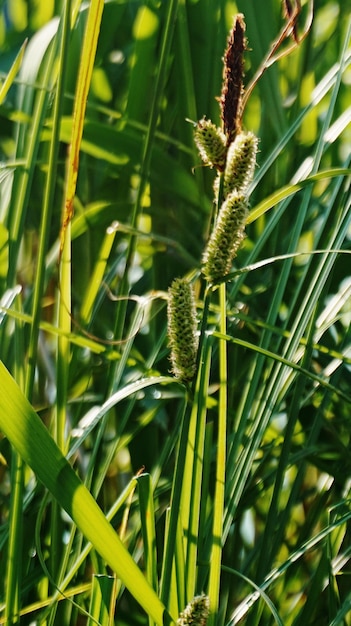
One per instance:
(289,190)
(147,516)
(12,73)
(65,287)
(97,275)
(101,601)
(34,444)
(28,142)
(81,557)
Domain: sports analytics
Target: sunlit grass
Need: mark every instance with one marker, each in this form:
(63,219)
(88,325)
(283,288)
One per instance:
(237,484)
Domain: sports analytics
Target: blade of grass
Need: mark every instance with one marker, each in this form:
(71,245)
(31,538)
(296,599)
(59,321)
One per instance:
(285,192)
(34,444)
(102,595)
(320,91)
(297,330)
(97,276)
(12,72)
(261,593)
(83,84)
(43,242)
(28,142)
(278,373)
(63,591)
(147,516)
(64,315)
(91,34)
(90,420)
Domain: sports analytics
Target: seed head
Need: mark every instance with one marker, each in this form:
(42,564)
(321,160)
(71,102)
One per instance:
(241,161)
(182,325)
(210,142)
(226,237)
(196,612)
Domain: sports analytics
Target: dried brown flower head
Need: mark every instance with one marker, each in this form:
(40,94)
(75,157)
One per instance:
(233,73)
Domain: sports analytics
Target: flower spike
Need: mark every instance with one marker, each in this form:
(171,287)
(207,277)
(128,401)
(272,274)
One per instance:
(233,74)
(182,326)
(210,142)
(241,162)
(196,612)
(226,237)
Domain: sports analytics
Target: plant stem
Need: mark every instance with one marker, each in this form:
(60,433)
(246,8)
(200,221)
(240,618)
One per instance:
(217,532)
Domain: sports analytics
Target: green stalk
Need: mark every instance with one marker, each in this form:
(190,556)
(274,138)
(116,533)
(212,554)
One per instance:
(190,503)
(63,359)
(47,203)
(183,478)
(217,532)
(63,354)
(15,542)
(64,310)
(43,243)
(168,557)
(55,556)
(64,297)
(12,601)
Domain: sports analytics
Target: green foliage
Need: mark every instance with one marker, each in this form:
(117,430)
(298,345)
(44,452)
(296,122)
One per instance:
(236,486)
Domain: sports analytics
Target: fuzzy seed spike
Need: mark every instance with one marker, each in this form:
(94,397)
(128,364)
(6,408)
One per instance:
(241,162)
(196,612)
(226,237)
(211,144)
(182,326)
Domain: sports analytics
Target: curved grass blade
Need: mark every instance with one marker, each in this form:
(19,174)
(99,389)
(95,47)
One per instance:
(12,73)
(36,447)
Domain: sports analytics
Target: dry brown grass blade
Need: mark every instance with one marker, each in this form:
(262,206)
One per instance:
(289,29)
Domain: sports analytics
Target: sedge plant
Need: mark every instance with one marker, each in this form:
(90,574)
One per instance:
(175,319)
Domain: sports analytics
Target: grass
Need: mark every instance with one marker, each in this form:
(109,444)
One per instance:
(124,492)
